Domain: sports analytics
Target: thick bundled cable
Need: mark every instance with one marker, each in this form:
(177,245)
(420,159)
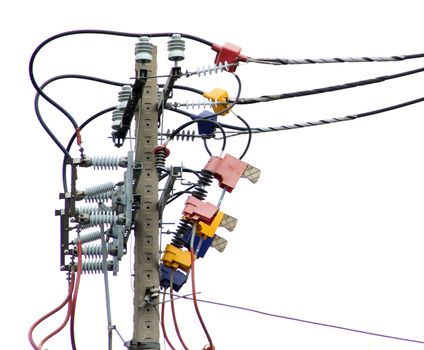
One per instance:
(269,98)
(70,300)
(257,130)
(288,61)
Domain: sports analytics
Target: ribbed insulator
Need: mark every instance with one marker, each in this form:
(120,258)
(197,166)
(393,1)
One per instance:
(89,209)
(117,115)
(183,228)
(92,266)
(205,179)
(104,219)
(214,68)
(176,48)
(85,226)
(160,159)
(143,50)
(100,197)
(106,187)
(184,135)
(89,237)
(94,250)
(108,162)
(123,96)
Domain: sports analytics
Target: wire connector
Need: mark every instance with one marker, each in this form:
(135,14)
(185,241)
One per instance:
(220,220)
(229,170)
(215,96)
(228,53)
(176,258)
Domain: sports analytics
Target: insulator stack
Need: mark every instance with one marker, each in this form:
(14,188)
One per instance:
(109,162)
(205,179)
(184,135)
(83,227)
(99,197)
(123,96)
(216,68)
(95,250)
(106,187)
(202,103)
(183,228)
(89,237)
(95,266)
(104,219)
(143,50)
(161,153)
(89,209)
(176,48)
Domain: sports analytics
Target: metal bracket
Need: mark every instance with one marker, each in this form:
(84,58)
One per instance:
(174,174)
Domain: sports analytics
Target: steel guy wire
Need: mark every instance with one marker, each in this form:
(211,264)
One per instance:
(301,320)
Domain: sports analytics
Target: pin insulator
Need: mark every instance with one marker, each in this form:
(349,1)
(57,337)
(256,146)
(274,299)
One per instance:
(195,210)
(228,53)
(176,258)
(218,95)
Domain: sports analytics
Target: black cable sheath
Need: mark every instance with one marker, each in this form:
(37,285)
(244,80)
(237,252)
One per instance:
(268,98)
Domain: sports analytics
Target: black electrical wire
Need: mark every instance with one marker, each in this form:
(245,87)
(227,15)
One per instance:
(98,31)
(268,98)
(255,130)
(180,193)
(61,109)
(186,88)
(249,140)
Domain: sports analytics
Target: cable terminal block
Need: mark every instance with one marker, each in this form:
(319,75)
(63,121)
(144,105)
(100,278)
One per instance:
(229,170)
(176,258)
(195,210)
(220,220)
(228,53)
(215,96)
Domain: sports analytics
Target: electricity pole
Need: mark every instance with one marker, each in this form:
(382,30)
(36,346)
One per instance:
(146,262)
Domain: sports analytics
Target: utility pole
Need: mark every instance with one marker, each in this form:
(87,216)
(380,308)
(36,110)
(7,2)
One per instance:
(146,262)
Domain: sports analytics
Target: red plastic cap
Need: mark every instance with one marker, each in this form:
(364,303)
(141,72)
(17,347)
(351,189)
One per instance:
(228,53)
(229,171)
(196,210)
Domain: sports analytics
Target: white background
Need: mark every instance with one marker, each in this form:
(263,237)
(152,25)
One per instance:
(331,233)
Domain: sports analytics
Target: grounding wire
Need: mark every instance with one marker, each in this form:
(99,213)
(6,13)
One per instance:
(288,61)
(268,98)
(301,320)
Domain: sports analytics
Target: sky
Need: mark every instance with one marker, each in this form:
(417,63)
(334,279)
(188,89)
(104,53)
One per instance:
(332,232)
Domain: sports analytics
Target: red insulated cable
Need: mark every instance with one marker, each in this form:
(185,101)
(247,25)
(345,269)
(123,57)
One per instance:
(199,316)
(75,295)
(175,321)
(165,335)
(68,315)
(31,330)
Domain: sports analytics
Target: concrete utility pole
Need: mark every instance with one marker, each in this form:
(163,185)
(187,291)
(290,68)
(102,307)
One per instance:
(146,269)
